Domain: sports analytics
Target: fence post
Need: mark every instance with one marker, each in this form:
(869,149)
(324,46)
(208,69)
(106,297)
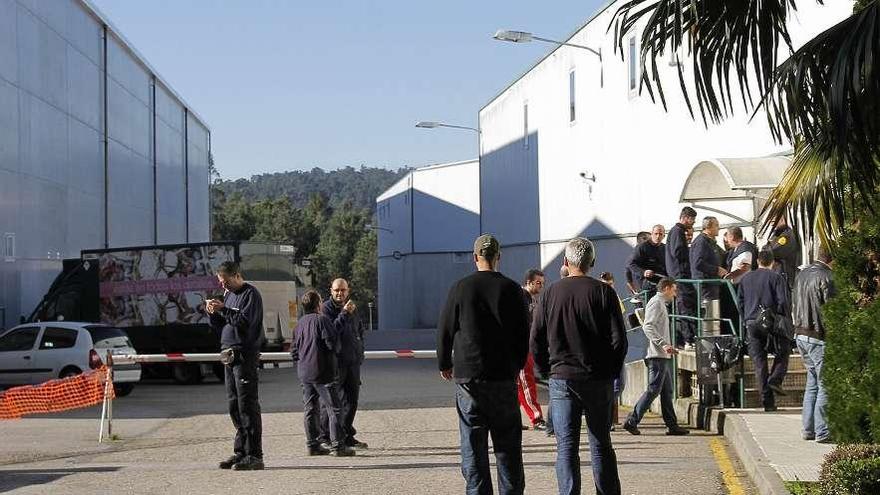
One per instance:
(107,405)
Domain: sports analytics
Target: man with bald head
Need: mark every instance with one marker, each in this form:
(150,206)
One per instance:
(350,355)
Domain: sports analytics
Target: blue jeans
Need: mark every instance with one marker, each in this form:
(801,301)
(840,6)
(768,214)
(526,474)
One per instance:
(813,413)
(659,383)
(570,399)
(486,408)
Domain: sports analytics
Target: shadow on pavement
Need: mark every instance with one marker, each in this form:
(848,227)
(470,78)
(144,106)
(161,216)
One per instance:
(10,479)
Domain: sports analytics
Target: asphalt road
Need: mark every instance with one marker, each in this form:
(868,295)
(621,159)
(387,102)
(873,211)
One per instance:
(171,436)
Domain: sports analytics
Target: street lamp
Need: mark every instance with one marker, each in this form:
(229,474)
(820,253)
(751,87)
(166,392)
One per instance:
(526,37)
(428,124)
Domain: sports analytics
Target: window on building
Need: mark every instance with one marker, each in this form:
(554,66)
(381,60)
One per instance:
(526,125)
(571,97)
(58,338)
(9,247)
(633,53)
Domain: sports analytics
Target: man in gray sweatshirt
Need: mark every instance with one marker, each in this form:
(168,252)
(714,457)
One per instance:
(658,361)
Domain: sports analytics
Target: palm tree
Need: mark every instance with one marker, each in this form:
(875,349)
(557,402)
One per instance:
(824,98)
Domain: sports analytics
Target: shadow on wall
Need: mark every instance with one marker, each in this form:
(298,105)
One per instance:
(611,255)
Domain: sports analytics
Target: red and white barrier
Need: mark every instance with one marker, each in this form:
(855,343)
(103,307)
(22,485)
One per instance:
(264,356)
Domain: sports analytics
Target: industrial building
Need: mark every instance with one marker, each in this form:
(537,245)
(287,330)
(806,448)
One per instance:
(570,148)
(96,149)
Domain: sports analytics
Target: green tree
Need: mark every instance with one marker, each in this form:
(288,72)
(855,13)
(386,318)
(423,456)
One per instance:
(339,240)
(364,271)
(233,219)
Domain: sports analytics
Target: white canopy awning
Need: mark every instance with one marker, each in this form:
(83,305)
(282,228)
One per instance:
(722,179)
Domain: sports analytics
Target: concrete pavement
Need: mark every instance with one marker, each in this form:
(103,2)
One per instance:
(173,436)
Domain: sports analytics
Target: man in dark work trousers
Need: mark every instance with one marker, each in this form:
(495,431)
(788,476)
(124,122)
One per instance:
(678,266)
(239,318)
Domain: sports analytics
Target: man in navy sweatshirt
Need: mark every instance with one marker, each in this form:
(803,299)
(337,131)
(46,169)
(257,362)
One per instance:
(239,318)
(314,347)
(350,355)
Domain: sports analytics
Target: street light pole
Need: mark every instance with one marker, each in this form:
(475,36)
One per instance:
(427,124)
(525,37)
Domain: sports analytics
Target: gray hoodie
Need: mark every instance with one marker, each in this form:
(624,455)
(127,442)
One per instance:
(656,327)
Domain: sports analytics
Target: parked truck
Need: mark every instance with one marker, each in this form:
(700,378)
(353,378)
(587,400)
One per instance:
(157,295)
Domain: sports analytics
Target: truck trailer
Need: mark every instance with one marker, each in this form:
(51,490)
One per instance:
(157,295)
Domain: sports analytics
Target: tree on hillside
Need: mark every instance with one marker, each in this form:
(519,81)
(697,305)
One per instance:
(233,218)
(364,272)
(824,98)
(339,240)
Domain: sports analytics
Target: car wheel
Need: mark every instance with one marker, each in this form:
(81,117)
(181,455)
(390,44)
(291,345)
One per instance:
(69,371)
(187,374)
(123,389)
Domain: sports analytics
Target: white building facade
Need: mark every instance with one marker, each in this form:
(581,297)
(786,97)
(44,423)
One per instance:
(571,148)
(96,150)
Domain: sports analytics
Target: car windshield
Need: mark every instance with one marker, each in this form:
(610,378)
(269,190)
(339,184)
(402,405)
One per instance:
(108,337)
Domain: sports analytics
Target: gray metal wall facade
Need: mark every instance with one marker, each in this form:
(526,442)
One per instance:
(67,81)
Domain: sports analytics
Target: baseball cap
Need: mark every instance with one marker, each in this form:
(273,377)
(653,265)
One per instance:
(487,246)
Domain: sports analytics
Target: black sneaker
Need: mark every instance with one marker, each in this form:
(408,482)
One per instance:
(633,429)
(249,463)
(228,463)
(319,450)
(677,432)
(540,425)
(355,443)
(770,408)
(343,451)
(777,389)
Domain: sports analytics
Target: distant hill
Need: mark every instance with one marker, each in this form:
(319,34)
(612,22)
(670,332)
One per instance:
(359,185)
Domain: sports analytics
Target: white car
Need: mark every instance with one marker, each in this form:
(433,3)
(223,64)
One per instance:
(34,353)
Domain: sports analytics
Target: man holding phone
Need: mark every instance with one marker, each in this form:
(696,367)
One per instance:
(350,332)
(239,319)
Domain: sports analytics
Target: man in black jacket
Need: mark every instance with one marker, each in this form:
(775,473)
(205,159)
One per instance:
(678,266)
(648,262)
(758,290)
(239,319)
(350,355)
(706,265)
(578,336)
(485,323)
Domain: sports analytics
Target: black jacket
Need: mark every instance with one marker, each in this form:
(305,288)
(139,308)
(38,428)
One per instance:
(648,256)
(314,349)
(814,286)
(240,322)
(705,264)
(350,333)
(578,331)
(678,263)
(763,287)
(483,333)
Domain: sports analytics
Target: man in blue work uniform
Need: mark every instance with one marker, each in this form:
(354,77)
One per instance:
(341,310)
(239,318)
(678,266)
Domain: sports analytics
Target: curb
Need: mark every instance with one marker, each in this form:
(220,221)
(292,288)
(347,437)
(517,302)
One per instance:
(735,430)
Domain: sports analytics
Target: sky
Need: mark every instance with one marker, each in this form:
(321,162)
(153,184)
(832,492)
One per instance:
(292,85)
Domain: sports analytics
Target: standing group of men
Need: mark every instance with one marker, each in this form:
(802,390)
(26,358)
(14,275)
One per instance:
(328,350)
(577,337)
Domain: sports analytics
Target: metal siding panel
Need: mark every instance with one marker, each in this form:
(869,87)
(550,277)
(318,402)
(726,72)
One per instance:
(170,181)
(44,74)
(394,213)
(446,206)
(43,140)
(86,155)
(8,43)
(9,131)
(10,201)
(197,181)
(42,224)
(84,80)
(84,32)
(85,229)
(53,13)
(130,223)
(509,182)
(127,71)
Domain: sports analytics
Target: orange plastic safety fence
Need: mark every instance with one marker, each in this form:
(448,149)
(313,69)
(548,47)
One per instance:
(64,394)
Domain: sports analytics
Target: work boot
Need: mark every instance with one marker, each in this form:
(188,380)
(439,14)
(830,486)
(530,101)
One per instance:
(355,443)
(318,450)
(633,429)
(677,431)
(343,451)
(249,463)
(228,463)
